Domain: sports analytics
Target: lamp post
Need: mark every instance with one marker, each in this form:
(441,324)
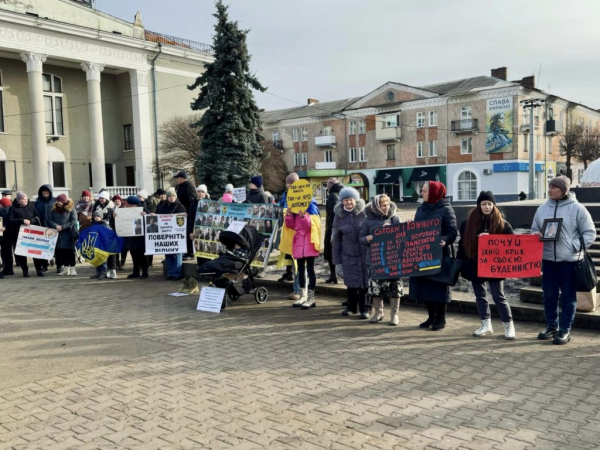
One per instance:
(531,104)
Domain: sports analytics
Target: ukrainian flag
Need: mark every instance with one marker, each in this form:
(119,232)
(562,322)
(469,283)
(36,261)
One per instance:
(97,243)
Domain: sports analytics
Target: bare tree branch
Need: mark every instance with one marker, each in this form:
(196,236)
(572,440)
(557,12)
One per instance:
(569,145)
(273,168)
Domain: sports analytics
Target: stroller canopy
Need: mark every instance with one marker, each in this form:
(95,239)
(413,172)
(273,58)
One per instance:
(248,239)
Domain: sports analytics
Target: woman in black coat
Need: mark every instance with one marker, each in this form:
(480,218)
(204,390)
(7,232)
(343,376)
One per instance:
(484,219)
(173,261)
(63,218)
(23,212)
(422,289)
(334,187)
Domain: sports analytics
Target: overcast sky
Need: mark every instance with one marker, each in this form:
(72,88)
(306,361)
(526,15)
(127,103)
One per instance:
(334,49)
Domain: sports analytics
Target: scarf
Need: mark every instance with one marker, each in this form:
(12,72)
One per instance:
(437,191)
(375,205)
(83,206)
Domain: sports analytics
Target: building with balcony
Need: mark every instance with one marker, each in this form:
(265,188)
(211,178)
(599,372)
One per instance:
(83,94)
(471,134)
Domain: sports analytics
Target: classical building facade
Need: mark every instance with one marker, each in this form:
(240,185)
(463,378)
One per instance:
(471,134)
(82,94)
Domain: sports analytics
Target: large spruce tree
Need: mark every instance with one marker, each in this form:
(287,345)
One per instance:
(229,128)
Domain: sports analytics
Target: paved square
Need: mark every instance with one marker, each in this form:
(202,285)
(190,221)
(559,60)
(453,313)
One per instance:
(119,364)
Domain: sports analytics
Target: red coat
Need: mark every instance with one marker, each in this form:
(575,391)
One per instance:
(302,247)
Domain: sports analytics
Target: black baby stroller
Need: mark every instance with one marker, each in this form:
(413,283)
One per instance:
(232,268)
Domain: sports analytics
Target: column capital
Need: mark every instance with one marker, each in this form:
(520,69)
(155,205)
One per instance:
(34,61)
(92,70)
(139,77)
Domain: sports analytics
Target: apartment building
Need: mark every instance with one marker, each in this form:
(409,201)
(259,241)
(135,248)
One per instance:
(471,134)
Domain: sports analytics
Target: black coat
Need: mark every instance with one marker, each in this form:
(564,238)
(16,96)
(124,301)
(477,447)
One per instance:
(4,215)
(136,242)
(468,269)
(257,196)
(192,210)
(186,193)
(332,201)
(347,249)
(170,208)
(68,222)
(44,206)
(108,210)
(422,289)
(17,214)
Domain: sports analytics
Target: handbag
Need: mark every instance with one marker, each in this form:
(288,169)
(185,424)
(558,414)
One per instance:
(450,270)
(585,271)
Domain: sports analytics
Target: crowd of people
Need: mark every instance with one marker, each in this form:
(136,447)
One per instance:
(349,230)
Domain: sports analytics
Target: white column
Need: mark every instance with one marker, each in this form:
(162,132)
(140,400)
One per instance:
(142,132)
(39,154)
(92,76)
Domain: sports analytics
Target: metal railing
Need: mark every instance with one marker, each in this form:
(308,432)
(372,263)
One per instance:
(165,39)
(122,191)
(464,125)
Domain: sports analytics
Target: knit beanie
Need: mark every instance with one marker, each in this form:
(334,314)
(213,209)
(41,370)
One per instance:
(561,182)
(171,191)
(349,192)
(98,213)
(486,196)
(160,192)
(291,178)
(257,181)
(202,188)
(229,188)
(62,198)
(117,197)
(104,194)
(331,182)
(227,198)
(86,193)
(142,194)
(21,195)
(133,200)
(6,202)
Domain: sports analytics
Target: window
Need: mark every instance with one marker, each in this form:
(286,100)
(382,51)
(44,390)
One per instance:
(362,126)
(130,175)
(362,154)
(420,150)
(466,113)
(128,138)
(328,156)
(352,127)
(58,175)
(391,152)
(1,105)
(352,155)
(297,159)
(550,113)
(420,120)
(305,159)
(465,146)
(327,130)
(537,143)
(108,172)
(275,136)
(433,118)
(3,177)
(53,104)
(295,135)
(467,186)
(432,148)
(305,134)
(391,121)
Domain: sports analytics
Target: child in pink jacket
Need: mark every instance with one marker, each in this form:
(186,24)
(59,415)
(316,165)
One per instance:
(304,252)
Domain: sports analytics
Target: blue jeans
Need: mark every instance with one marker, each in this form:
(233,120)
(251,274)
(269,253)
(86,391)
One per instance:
(102,268)
(173,265)
(559,276)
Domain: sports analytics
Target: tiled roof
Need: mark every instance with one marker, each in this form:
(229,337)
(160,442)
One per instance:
(316,110)
(463,86)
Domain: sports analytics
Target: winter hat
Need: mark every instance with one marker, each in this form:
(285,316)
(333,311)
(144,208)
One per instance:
(21,195)
(437,191)
(486,196)
(229,188)
(227,198)
(561,182)
(62,198)
(171,191)
(349,192)
(133,200)
(98,213)
(331,182)
(142,194)
(117,197)
(86,193)
(257,181)
(5,202)
(182,174)
(291,178)
(202,188)
(104,194)
(160,192)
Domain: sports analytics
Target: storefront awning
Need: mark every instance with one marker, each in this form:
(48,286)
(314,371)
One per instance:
(357,179)
(424,174)
(390,176)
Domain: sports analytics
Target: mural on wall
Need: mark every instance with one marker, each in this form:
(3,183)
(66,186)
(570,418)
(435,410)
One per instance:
(499,125)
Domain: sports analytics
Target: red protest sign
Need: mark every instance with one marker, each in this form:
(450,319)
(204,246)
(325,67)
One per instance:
(509,256)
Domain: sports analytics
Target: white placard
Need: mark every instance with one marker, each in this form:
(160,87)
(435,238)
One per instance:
(239,195)
(211,299)
(165,234)
(129,222)
(36,242)
(236,226)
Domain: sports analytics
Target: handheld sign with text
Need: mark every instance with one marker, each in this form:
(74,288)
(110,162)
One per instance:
(509,256)
(299,196)
(239,195)
(36,242)
(165,234)
(406,250)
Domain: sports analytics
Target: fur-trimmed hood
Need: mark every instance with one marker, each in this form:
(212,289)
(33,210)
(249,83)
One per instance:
(339,210)
(67,207)
(371,214)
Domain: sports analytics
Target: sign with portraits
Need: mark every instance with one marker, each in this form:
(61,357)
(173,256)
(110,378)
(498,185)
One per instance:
(128,222)
(165,234)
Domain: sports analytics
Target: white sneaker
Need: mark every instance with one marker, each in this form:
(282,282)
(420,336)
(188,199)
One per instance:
(294,296)
(73,272)
(485,329)
(112,274)
(509,331)
(64,271)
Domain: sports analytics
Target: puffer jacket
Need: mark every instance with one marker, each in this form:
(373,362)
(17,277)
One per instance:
(18,214)
(43,205)
(375,220)
(302,247)
(167,207)
(577,223)
(257,196)
(66,217)
(347,249)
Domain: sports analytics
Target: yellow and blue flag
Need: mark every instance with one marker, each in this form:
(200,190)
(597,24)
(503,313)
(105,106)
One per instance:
(97,243)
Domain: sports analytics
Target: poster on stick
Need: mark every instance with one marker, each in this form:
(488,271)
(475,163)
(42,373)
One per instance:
(165,234)
(509,256)
(36,242)
(409,249)
(299,196)
(128,222)
(239,195)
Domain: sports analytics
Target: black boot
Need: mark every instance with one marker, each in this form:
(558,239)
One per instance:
(332,277)
(561,338)
(431,319)
(440,317)
(547,334)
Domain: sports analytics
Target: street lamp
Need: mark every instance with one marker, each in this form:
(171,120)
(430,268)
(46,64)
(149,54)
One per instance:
(531,104)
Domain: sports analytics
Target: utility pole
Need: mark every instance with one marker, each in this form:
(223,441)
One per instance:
(531,105)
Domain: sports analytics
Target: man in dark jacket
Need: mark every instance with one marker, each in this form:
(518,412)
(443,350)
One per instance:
(333,188)
(5,244)
(43,205)
(23,212)
(186,193)
(257,194)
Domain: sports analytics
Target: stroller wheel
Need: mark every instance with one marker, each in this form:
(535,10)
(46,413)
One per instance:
(261,295)
(233,296)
